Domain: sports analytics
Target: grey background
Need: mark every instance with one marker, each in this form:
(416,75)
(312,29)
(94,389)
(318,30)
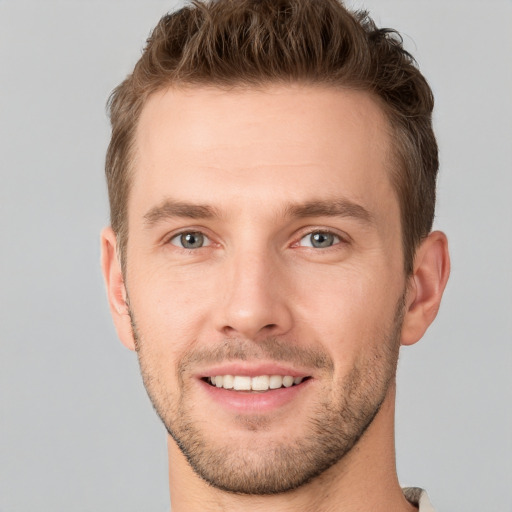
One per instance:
(77,432)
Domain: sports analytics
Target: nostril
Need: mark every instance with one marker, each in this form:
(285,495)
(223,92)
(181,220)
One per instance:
(249,331)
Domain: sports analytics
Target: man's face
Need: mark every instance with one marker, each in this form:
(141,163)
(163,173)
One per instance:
(264,249)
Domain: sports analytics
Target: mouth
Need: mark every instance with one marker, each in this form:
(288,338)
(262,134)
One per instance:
(256,384)
(245,389)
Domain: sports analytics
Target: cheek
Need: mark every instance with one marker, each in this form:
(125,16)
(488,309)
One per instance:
(169,306)
(347,310)
(345,293)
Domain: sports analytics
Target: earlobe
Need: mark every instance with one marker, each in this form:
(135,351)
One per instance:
(426,286)
(116,290)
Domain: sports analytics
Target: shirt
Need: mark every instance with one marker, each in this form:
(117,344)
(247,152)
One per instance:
(419,498)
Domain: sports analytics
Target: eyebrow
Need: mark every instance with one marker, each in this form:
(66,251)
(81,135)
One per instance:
(169,209)
(341,207)
(330,208)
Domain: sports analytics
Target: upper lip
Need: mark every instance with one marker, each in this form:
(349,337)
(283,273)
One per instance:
(251,370)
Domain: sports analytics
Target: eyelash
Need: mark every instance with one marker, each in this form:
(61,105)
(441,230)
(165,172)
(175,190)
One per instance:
(337,239)
(189,232)
(340,239)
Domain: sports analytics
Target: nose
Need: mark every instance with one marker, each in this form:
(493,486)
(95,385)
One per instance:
(253,303)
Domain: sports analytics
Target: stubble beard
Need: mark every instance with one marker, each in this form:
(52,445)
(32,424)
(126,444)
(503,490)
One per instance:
(332,429)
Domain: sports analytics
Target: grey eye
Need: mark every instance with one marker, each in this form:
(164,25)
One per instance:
(319,240)
(190,240)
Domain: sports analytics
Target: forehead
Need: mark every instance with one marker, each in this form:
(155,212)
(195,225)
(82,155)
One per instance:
(292,142)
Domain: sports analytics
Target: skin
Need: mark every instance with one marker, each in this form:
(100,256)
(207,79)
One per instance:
(256,158)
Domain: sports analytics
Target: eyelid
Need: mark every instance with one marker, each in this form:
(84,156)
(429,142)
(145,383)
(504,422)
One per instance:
(342,236)
(168,239)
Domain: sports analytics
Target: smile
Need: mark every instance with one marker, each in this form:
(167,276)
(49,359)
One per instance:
(258,383)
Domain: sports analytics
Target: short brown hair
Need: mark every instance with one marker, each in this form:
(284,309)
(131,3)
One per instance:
(257,42)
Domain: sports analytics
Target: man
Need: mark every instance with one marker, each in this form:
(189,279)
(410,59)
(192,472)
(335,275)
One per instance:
(271,178)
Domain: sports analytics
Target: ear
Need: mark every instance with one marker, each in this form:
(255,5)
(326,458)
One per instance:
(426,286)
(116,290)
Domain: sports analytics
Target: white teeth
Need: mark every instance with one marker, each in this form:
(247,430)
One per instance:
(259,383)
(241,383)
(276,381)
(287,381)
(228,381)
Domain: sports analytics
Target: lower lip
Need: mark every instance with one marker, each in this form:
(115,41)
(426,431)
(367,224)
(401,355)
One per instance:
(253,402)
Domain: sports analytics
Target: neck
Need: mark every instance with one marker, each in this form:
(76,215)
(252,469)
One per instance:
(364,480)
